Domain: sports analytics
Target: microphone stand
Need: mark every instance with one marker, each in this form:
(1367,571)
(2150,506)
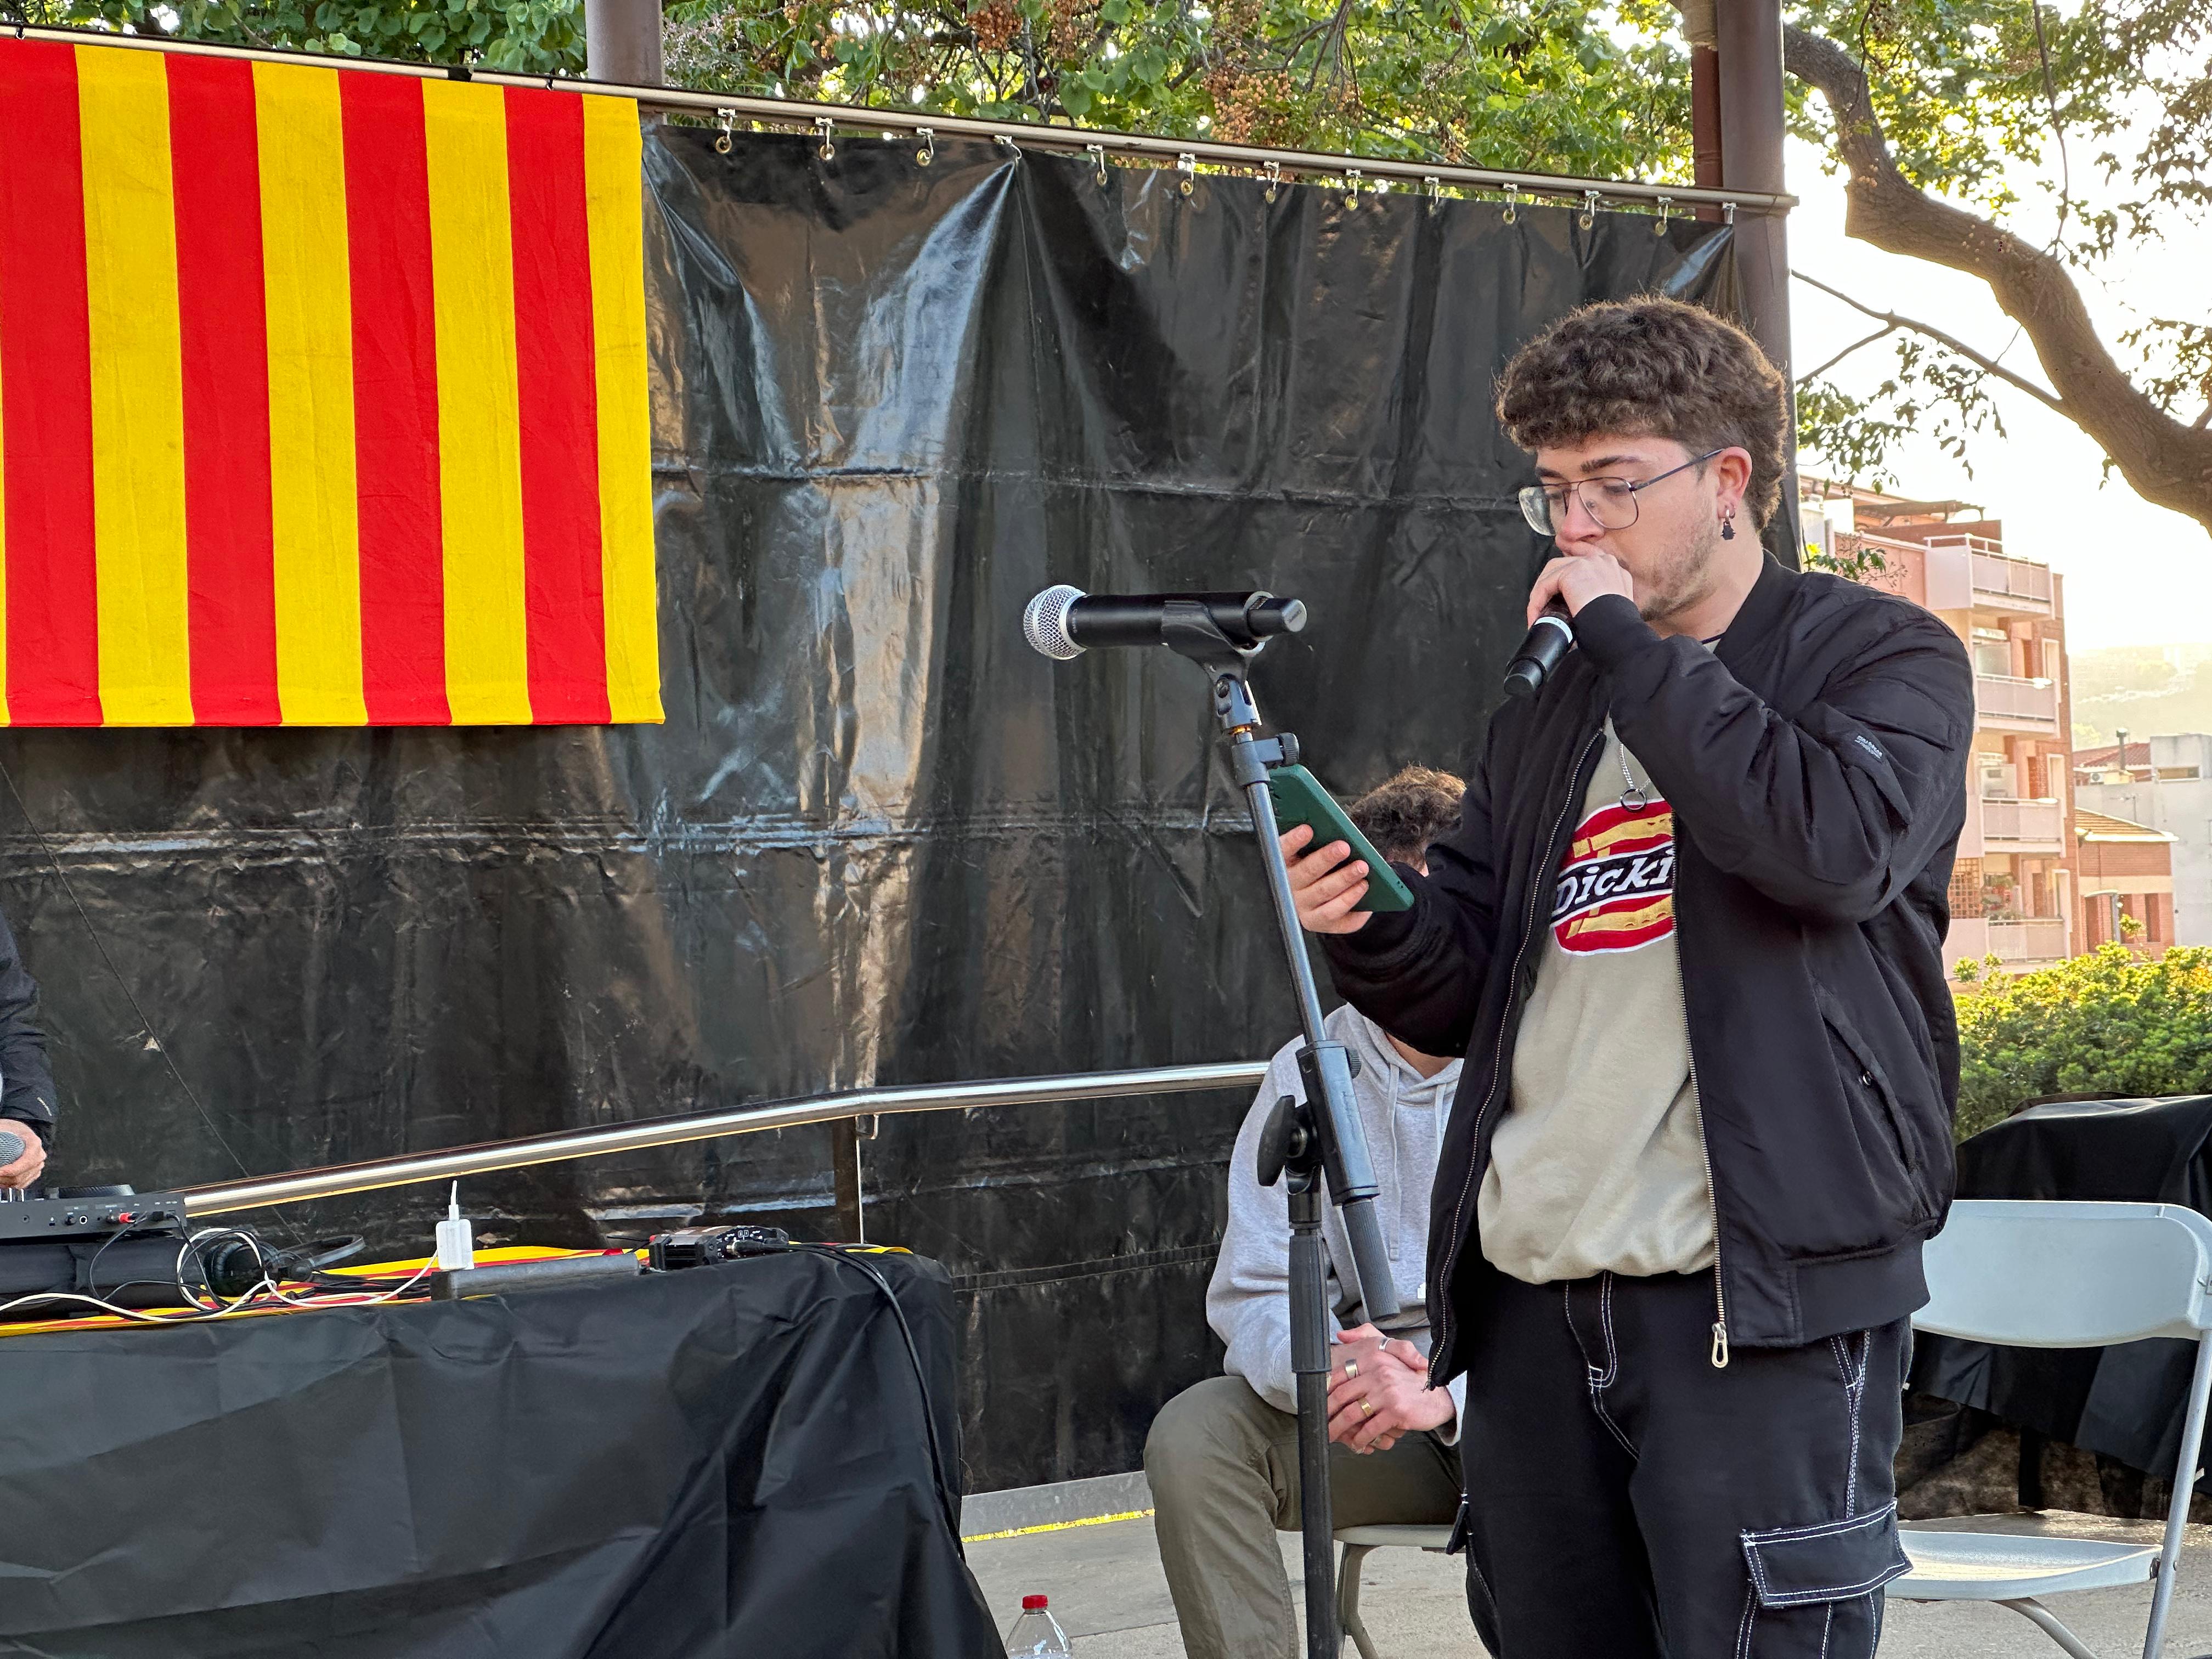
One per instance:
(1306,1142)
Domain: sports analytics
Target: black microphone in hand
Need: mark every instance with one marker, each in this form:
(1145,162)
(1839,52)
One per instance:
(1544,650)
(1065,622)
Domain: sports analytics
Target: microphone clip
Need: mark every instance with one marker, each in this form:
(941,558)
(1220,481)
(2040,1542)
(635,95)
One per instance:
(1187,629)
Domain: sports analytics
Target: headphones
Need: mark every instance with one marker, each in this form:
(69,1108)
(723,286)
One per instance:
(238,1260)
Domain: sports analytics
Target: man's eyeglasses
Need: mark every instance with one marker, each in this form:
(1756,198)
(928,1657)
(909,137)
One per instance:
(1611,502)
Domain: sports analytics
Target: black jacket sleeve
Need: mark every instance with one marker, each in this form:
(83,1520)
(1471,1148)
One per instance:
(27,1084)
(1831,813)
(1419,973)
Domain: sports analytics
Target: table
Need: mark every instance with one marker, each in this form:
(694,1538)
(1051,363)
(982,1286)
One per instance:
(722,1461)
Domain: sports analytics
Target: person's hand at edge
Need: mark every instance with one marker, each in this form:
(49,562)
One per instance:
(27,1168)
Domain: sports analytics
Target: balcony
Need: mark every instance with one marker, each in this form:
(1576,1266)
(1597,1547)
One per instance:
(2038,939)
(2004,703)
(2018,944)
(2023,826)
(2021,586)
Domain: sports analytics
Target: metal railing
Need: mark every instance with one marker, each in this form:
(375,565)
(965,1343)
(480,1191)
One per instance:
(454,1162)
(2004,819)
(2037,939)
(2008,578)
(923,128)
(2009,697)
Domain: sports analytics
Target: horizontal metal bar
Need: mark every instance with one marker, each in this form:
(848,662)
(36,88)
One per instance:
(454,1162)
(906,123)
(895,123)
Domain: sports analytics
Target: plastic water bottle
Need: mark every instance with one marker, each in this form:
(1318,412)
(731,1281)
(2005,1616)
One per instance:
(1037,1634)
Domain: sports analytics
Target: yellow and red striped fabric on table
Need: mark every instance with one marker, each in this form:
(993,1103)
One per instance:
(322,397)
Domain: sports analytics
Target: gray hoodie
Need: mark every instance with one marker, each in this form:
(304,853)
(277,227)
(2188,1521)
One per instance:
(1402,1114)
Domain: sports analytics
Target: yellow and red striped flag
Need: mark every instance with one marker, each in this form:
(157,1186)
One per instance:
(322,397)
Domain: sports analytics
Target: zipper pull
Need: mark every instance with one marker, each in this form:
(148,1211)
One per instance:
(1719,1346)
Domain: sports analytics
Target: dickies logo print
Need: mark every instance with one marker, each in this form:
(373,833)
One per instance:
(1616,889)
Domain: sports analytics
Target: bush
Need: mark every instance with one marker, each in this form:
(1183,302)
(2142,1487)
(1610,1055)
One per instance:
(2107,1023)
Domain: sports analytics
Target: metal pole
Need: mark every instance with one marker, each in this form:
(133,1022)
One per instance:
(622,41)
(446,1165)
(1706,119)
(1702,35)
(1752,127)
(1310,1369)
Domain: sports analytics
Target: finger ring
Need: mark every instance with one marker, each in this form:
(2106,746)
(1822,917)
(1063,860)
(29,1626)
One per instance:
(1367,1408)
(1350,1369)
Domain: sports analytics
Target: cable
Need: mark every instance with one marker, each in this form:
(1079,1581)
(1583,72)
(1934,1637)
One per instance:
(921,1381)
(92,1267)
(256,1299)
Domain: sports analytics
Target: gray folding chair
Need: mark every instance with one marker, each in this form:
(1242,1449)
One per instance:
(1358,1542)
(2041,1274)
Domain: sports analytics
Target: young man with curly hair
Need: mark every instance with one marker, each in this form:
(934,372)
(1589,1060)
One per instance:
(1688,937)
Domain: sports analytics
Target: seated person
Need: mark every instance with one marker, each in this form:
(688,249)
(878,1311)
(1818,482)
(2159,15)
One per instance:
(1223,1455)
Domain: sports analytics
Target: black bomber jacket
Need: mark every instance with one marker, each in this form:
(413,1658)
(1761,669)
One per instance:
(1815,761)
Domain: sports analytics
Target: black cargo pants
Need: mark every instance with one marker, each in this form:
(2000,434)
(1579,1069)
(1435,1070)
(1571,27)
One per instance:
(1627,1498)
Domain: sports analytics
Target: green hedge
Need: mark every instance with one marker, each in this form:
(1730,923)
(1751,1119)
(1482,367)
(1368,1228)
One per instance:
(2109,1023)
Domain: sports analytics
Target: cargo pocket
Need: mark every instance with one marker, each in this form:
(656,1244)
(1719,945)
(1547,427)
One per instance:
(1815,1590)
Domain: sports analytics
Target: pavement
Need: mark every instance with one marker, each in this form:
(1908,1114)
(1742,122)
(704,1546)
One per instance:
(1107,1591)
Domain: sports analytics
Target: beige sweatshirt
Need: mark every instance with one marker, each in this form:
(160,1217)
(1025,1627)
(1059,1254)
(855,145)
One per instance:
(1599,1164)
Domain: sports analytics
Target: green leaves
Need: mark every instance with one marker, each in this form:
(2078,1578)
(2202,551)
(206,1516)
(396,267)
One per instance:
(537,37)
(1523,84)
(2111,1023)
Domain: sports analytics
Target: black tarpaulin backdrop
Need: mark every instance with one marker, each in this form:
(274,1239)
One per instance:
(879,840)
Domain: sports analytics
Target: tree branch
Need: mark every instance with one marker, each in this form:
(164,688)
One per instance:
(2165,461)
(1859,345)
(1989,365)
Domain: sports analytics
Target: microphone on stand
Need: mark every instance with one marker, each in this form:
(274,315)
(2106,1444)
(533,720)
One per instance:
(1065,622)
(1544,650)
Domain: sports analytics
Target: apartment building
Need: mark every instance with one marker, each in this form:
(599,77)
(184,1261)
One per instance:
(2015,892)
(2164,785)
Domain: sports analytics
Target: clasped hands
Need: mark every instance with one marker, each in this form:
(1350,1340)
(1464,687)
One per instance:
(1378,1390)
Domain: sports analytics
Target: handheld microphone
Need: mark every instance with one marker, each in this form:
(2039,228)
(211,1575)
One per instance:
(1065,622)
(1544,650)
(12,1146)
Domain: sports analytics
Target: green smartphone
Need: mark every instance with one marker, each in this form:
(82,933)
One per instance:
(1299,798)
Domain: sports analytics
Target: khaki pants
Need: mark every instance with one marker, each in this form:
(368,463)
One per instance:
(1224,1468)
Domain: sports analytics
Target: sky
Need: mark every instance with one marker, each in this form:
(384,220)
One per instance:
(2136,575)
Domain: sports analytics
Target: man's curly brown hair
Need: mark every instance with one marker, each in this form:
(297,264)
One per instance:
(1651,368)
(1404,813)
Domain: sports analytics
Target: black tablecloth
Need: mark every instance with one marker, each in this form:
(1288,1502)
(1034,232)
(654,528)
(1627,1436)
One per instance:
(729,1461)
(2127,1403)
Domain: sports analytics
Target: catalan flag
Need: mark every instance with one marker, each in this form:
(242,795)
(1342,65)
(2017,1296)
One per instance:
(322,397)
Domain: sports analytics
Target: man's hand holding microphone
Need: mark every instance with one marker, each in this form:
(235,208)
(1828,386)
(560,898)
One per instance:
(1327,881)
